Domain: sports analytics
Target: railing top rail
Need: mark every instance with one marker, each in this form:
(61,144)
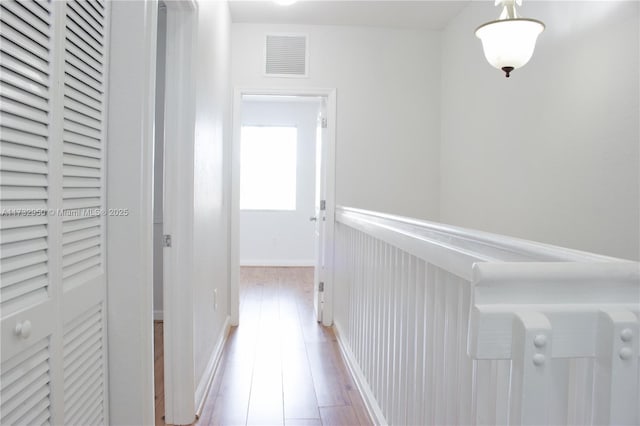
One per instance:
(484,246)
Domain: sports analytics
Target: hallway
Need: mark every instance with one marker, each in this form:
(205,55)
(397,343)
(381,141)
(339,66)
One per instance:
(280,366)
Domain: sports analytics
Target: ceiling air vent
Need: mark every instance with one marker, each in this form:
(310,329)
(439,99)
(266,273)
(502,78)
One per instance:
(286,55)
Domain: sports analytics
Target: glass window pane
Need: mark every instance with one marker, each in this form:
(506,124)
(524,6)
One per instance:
(268,163)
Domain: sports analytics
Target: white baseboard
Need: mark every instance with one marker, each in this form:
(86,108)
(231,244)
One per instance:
(207,378)
(370,402)
(158,315)
(285,262)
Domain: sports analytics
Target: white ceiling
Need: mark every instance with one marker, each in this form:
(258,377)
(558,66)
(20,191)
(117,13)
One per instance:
(425,14)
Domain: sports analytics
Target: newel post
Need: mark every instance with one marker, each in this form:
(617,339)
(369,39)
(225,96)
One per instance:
(616,369)
(531,369)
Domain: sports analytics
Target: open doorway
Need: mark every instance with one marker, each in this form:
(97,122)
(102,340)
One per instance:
(282,194)
(277,180)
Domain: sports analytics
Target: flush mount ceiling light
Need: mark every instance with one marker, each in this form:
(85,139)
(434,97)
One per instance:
(284,2)
(508,42)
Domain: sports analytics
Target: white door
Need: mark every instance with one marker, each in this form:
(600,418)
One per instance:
(52,231)
(320,217)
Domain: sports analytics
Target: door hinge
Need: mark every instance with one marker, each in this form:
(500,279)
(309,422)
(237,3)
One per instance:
(324,122)
(321,286)
(323,204)
(166,241)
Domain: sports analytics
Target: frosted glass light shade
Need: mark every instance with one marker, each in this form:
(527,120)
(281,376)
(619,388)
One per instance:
(509,43)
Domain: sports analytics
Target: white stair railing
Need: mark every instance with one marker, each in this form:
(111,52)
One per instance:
(446,326)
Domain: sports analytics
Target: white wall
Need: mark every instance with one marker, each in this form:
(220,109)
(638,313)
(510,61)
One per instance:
(212,182)
(388,95)
(283,238)
(550,154)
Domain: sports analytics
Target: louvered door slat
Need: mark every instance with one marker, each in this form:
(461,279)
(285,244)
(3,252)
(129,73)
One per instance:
(34,356)
(23,165)
(80,345)
(37,115)
(28,292)
(22,247)
(32,395)
(73,193)
(77,160)
(83,82)
(21,71)
(13,82)
(23,275)
(82,388)
(74,80)
(82,353)
(86,48)
(82,108)
(23,124)
(91,11)
(24,95)
(80,203)
(28,13)
(22,193)
(92,400)
(83,120)
(81,245)
(19,234)
(81,182)
(39,9)
(76,20)
(20,27)
(19,151)
(32,61)
(75,93)
(79,261)
(81,171)
(81,129)
(24,384)
(82,234)
(38,414)
(83,63)
(101,3)
(79,139)
(70,227)
(24,179)
(15,389)
(9,222)
(29,259)
(21,138)
(16,36)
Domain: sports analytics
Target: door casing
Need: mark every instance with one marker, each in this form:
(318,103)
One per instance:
(130,184)
(234,241)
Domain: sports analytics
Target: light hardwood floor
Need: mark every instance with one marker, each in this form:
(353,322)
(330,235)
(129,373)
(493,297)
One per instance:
(279,367)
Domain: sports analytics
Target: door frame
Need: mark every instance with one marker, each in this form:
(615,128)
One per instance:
(234,242)
(178,211)
(130,239)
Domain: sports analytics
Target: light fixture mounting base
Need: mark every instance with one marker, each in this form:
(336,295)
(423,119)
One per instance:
(507,71)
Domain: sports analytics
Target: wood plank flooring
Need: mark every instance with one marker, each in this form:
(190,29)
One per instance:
(280,367)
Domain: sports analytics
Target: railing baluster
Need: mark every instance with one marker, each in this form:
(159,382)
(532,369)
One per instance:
(440,326)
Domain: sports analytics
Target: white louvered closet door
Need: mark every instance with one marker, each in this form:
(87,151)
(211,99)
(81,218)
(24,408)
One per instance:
(52,231)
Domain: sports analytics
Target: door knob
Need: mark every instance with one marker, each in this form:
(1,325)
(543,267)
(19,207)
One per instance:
(23,329)
(313,218)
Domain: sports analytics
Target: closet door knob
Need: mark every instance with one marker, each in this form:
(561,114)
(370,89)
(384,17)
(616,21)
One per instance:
(23,329)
